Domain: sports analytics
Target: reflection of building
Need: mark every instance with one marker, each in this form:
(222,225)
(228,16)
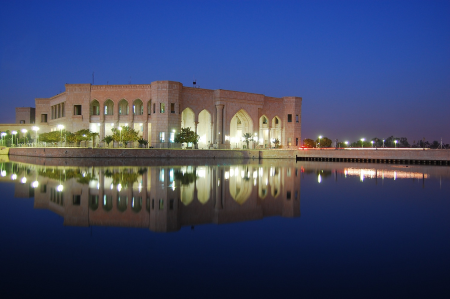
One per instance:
(164,199)
(160,109)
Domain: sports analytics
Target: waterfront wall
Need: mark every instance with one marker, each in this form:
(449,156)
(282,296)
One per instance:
(372,154)
(368,155)
(151,153)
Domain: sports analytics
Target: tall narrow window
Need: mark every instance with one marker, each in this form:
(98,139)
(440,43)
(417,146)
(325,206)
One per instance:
(289,118)
(162,107)
(162,136)
(161,204)
(154,109)
(77,110)
(172,108)
(296,118)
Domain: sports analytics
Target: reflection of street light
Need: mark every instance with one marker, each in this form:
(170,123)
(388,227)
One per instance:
(60,127)
(362,142)
(24,131)
(35,129)
(14,134)
(319,140)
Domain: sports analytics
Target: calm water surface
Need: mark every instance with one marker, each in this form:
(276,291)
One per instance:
(192,229)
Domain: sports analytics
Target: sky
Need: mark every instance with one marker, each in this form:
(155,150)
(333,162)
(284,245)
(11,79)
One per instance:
(364,69)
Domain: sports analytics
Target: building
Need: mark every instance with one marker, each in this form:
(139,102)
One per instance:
(160,109)
(25,115)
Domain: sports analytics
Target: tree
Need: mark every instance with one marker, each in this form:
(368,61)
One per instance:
(309,143)
(186,135)
(324,142)
(247,138)
(108,139)
(127,134)
(277,143)
(54,136)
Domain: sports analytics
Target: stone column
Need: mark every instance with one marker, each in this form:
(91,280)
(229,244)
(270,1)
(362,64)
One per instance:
(212,133)
(219,124)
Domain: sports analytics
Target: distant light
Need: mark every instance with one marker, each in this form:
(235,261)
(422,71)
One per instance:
(14,177)
(23,180)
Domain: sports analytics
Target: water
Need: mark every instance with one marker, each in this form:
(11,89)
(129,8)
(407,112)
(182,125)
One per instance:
(189,229)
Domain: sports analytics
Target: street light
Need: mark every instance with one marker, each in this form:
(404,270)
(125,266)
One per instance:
(14,134)
(383,143)
(60,127)
(24,131)
(120,132)
(320,137)
(395,142)
(3,135)
(362,142)
(346,143)
(35,129)
(372,143)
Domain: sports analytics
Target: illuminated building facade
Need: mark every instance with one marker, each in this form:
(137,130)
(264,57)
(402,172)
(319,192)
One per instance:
(160,109)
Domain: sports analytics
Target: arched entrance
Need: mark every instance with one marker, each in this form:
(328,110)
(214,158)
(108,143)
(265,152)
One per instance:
(204,129)
(138,107)
(109,107)
(263,135)
(188,119)
(241,123)
(275,131)
(95,108)
(123,107)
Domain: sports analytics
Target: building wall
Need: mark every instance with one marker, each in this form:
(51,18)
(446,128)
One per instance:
(221,106)
(25,115)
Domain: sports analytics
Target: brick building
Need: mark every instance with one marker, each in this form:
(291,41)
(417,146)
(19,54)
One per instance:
(160,109)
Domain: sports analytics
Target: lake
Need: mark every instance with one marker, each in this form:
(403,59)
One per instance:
(223,229)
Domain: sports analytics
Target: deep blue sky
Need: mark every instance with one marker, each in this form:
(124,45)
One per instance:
(363,68)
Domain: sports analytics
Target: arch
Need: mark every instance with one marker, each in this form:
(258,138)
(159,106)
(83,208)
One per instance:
(107,203)
(109,107)
(263,182)
(136,204)
(240,124)
(275,181)
(263,136)
(138,107)
(240,184)
(275,131)
(122,203)
(204,129)
(93,202)
(94,108)
(188,119)
(123,107)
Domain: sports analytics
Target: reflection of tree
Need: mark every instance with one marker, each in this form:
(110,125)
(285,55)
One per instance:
(67,174)
(125,178)
(185,178)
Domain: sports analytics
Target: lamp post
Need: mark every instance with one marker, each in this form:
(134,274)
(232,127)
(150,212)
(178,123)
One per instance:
(320,137)
(372,143)
(24,131)
(362,142)
(3,139)
(14,134)
(35,129)
(346,143)
(120,134)
(60,127)
(383,143)
(395,142)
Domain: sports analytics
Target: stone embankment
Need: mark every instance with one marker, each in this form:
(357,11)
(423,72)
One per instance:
(403,156)
(397,156)
(71,152)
